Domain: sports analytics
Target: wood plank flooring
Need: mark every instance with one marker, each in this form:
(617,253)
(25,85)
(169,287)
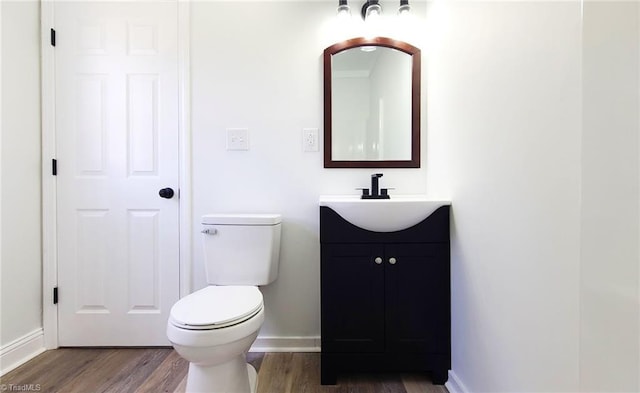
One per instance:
(94,370)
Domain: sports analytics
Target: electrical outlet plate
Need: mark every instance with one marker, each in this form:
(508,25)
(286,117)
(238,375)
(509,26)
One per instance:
(237,139)
(309,139)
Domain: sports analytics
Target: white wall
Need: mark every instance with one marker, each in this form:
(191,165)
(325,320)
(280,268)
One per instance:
(348,111)
(21,281)
(610,229)
(259,65)
(539,108)
(504,89)
(391,89)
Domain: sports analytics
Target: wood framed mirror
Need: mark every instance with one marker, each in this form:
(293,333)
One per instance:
(372,104)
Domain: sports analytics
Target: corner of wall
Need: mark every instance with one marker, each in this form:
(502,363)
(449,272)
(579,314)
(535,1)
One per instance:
(454,384)
(19,351)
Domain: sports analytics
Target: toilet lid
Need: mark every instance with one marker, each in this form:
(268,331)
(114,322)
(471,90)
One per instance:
(216,306)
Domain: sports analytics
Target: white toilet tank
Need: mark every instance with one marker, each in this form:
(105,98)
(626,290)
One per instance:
(241,249)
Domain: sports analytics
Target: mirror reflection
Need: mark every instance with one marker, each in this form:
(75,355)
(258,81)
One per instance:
(372,104)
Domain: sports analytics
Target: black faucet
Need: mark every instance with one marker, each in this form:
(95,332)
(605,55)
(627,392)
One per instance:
(376,193)
(374,183)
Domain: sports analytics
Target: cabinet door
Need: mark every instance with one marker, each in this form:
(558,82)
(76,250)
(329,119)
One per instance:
(417,298)
(352,298)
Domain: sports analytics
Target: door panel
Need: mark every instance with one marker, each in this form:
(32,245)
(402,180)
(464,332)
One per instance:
(417,289)
(117,145)
(352,298)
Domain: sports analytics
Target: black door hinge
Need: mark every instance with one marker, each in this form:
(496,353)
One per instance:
(54,167)
(55,295)
(53,37)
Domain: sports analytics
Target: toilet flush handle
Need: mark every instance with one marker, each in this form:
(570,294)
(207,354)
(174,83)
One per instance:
(209,231)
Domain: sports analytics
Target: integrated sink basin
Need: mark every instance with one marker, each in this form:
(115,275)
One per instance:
(383,215)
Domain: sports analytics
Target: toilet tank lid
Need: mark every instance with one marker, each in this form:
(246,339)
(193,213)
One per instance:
(241,219)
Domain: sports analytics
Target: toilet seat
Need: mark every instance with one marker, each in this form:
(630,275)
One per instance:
(216,307)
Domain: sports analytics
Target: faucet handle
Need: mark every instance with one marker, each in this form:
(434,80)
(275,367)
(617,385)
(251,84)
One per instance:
(365,191)
(376,175)
(384,193)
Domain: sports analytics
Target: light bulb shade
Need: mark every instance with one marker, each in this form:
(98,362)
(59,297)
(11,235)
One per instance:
(343,8)
(404,8)
(344,11)
(370,8)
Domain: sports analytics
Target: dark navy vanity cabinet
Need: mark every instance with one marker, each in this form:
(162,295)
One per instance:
(385,297)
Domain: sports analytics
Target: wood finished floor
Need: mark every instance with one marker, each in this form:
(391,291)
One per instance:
(91,370)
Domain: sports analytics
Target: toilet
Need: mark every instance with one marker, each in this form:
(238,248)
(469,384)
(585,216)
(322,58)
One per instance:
(214,327)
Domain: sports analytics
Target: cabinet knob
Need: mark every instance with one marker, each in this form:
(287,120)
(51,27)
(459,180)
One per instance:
(392,261)
(378,260)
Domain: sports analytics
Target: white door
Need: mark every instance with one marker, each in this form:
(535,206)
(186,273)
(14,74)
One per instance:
(117,146)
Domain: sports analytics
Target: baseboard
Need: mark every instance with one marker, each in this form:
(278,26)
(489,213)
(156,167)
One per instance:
(454,384)
(286,344)
(21,350)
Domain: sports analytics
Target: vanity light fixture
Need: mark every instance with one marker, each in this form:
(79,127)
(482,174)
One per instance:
(371,9)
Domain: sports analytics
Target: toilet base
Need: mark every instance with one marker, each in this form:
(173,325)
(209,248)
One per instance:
(253,378)
(235,375)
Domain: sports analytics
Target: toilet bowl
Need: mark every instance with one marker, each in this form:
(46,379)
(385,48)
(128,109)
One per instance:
(213,329)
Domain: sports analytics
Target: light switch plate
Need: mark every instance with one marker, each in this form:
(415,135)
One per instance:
(237,139)
(309,139)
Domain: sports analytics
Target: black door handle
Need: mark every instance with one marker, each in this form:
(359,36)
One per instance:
(166,193)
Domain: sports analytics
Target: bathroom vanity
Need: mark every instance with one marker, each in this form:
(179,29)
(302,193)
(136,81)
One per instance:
(385,296)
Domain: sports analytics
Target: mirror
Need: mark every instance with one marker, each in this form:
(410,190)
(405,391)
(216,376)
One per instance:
(372,104)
